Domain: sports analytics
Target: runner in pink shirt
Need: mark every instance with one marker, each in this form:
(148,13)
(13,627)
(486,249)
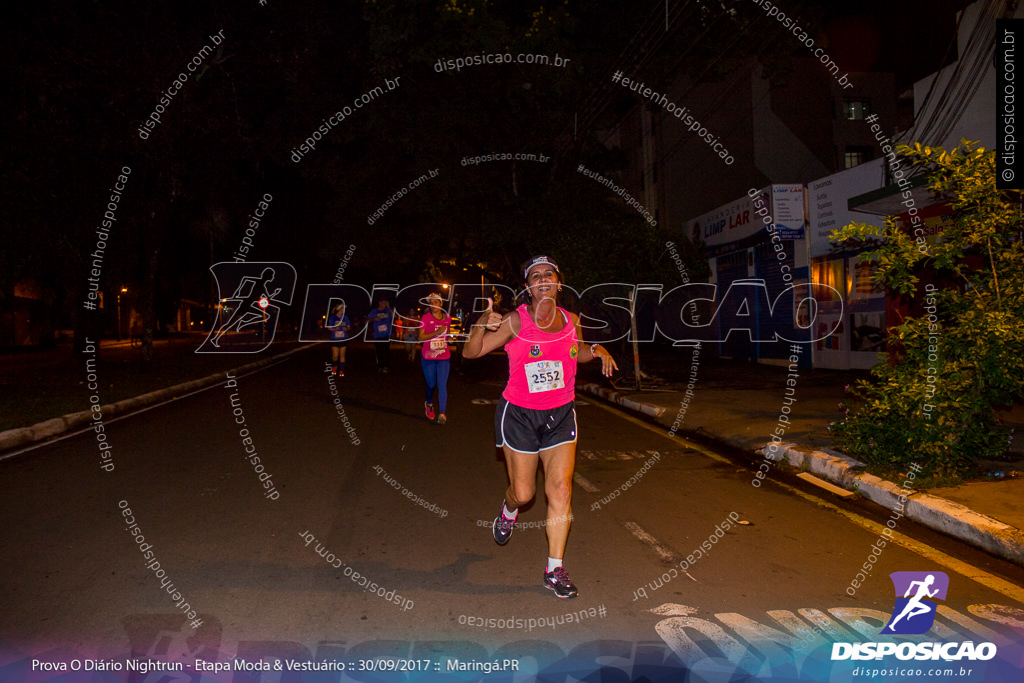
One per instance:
(536,419)
(435,357)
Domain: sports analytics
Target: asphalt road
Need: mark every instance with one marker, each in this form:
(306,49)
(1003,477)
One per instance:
(291,570)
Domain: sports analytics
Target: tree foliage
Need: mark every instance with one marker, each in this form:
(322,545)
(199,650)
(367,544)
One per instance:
(936,399)
(86,76)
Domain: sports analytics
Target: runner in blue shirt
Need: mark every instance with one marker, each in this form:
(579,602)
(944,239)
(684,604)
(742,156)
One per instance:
(339,326)
(380,322)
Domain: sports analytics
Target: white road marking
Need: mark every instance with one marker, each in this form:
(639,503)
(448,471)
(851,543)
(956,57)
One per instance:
(822,484)
(935,555)
(651,542)
(584,483)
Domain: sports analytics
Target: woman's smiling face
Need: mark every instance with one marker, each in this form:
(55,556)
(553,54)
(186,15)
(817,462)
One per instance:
(542,281)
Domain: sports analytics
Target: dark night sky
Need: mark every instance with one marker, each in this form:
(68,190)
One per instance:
(908,37)
(82,76)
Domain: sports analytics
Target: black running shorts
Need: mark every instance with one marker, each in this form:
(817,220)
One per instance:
(531,431)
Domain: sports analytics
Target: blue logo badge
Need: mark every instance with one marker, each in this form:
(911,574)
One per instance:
(914,613)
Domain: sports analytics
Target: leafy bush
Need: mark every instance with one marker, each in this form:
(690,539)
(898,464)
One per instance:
(933,400)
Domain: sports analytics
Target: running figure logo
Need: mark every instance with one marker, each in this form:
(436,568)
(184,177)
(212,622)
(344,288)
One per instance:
(246,320)
(915,614)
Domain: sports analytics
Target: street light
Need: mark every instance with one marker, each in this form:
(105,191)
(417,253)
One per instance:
(124,290)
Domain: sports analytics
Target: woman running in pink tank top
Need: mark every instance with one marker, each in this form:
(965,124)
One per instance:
(536,419)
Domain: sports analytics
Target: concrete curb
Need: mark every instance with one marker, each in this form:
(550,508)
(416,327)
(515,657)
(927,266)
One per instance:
(939,514)
(616,397)
(24,436)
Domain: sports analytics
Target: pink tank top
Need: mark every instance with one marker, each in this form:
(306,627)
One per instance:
(541,365)
(436,348)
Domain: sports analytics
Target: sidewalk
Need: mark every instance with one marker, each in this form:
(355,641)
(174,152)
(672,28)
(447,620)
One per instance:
(738,404)
(43,393)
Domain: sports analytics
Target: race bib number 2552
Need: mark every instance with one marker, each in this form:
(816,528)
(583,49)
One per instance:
(544,375)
